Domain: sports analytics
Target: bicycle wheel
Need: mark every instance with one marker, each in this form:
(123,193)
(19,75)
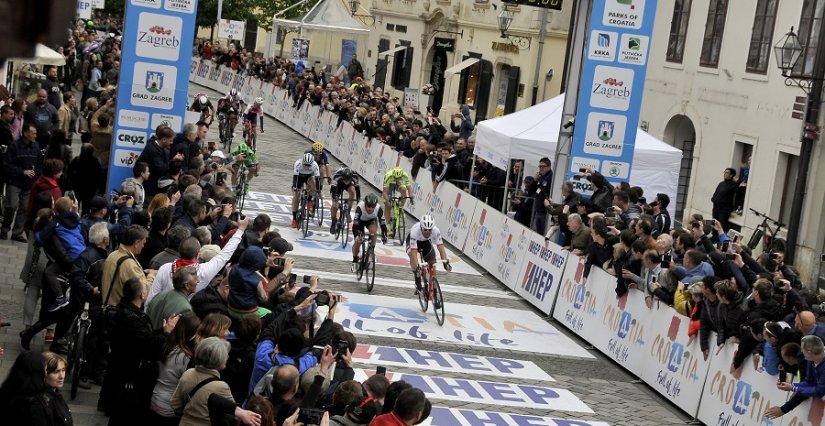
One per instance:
(438,301)
(319,207)
(422,295)
(80,358)
(400,232)
(306,216)
(369,262)
(359,269)
(343,225)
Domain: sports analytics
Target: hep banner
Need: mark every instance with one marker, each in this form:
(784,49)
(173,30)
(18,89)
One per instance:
(154,78)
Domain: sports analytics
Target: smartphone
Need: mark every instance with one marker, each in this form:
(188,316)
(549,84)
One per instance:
(280,262)
(381,370)
(783,376)
(730,256)
(736,238)
(709,222)
(725,247)
(666,260)
(292,279)
(71,195)
(582,170)
(307,278)
(653,279)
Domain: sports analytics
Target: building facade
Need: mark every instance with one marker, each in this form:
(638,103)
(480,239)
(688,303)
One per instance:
(457,47)
(714,90)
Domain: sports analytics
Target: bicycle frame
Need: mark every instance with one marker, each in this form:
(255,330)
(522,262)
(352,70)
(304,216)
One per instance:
(765,233)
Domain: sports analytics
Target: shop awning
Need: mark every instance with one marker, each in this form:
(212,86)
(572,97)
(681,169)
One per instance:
(461,65)
(43,56)
(391,51)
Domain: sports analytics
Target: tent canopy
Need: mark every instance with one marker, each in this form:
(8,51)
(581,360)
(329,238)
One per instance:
(532,133)
(43,56)
(331,15)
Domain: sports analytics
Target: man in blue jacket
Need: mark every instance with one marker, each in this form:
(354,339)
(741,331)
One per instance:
(22,167)
(814,383)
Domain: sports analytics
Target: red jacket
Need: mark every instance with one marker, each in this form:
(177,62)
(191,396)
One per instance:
(42,184)
(389,419)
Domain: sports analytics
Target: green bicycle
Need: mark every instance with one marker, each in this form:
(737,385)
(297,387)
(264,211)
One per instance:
(397,226)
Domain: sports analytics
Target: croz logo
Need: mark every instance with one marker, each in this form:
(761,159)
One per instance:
(158,36)
(130,138)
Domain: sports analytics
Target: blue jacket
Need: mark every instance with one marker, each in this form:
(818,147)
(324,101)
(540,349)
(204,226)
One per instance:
(22,156)
(124,219)
(812,386)
(465,129)
(67,228)
(265,358)
(694,275)
(244,279)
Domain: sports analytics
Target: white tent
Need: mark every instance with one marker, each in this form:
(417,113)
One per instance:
(532,133)
(43,56)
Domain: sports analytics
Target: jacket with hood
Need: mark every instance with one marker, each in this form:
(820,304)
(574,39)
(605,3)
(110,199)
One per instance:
(67,228)
(244,280)
(465,128)
(731,317)
(44,184)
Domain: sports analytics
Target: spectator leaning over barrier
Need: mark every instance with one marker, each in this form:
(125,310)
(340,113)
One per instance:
(814,383)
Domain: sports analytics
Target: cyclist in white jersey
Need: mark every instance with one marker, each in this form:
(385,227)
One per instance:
(305,168)
(368,214)
(420,239)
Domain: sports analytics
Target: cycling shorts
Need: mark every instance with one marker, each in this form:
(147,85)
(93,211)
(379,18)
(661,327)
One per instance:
(425,248)
(299,180)
(359,226)
(337,187)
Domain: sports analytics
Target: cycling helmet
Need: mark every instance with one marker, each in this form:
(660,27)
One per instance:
(370,200)
(233,92)
(308,159)
(427,222)
(203,100)
(398,172)
(317,147)
(346,173)
(259,100)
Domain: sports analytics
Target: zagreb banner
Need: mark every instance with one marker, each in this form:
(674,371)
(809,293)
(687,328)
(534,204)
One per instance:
(610,94)
(154,77)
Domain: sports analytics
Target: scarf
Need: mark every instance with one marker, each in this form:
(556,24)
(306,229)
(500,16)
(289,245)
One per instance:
(182,263)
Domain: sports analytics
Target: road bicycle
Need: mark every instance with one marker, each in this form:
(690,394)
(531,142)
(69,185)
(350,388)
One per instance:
(242,184)
(78,343)
(430,288)
(366,264)
(766,234)
(319,203)
(343,220)
(303,211)
(228,122)
(397,226)
(250,129)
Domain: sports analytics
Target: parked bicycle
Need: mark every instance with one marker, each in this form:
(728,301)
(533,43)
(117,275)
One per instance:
(766,234)
(431,288)
(78,341)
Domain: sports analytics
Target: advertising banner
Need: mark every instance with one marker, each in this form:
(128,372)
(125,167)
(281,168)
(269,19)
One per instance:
(232,30)
(612,85)
(488,393)
(579,306)
(731,399)
(98,4)
(541,272)
(443,416)
(448,362)
(624,329)
(673,368)
(300,50)
(154,77)
(84,9)
(469,325)
(497,243)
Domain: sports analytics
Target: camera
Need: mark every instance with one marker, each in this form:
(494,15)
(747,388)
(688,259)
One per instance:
(709,222)
(730,256)
(310,416)
(322,298)
(307,278)
(214,166)
(279,262)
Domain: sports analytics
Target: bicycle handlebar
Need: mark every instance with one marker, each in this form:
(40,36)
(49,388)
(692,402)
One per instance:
(766,217)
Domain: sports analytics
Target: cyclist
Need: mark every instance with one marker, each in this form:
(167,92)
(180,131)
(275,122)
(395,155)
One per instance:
(230,105)
(344,180)
(305,168)
(252,115)
(203,105)
(244,155)
(321,158)
(420,239)
(368,214)
(395,180)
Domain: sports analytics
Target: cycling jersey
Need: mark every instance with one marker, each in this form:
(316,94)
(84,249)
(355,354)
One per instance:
(416,237)
(363,219)
(226,102)
(321,158)
(390,180)
(197,107)
(253,111)
(313,170)
(338,185)
(243,148)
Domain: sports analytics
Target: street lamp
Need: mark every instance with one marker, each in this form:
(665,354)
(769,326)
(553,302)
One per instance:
(505,18)
(788,51)
(354,5)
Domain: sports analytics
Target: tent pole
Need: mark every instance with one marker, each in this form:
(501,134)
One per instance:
(505,198)
(471,175)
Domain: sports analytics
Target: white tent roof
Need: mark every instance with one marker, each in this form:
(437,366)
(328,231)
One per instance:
(532,133)
(43,56)
(331,15)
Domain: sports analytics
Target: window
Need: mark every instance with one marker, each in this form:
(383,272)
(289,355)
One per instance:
(402,66)
(678,31)
(390,27)
(782,197)
(401,28)
(714,28)
(810,24)
(759,52)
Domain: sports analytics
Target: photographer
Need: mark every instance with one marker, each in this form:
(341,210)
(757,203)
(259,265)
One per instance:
(247,287)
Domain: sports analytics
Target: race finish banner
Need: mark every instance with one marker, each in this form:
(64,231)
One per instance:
(612,85)
(154,76)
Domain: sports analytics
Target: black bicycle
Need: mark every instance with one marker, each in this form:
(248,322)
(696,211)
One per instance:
(78,341)
(766,234)
(342,229)
(366,264)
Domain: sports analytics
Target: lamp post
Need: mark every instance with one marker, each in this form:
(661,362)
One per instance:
(787,52)
(354,5)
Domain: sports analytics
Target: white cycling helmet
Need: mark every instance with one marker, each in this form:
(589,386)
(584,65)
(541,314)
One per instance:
(233,92)
(259,100)
(203,100)
(427,222)
(308,159)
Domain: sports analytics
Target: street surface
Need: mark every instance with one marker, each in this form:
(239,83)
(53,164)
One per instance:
(539,369)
